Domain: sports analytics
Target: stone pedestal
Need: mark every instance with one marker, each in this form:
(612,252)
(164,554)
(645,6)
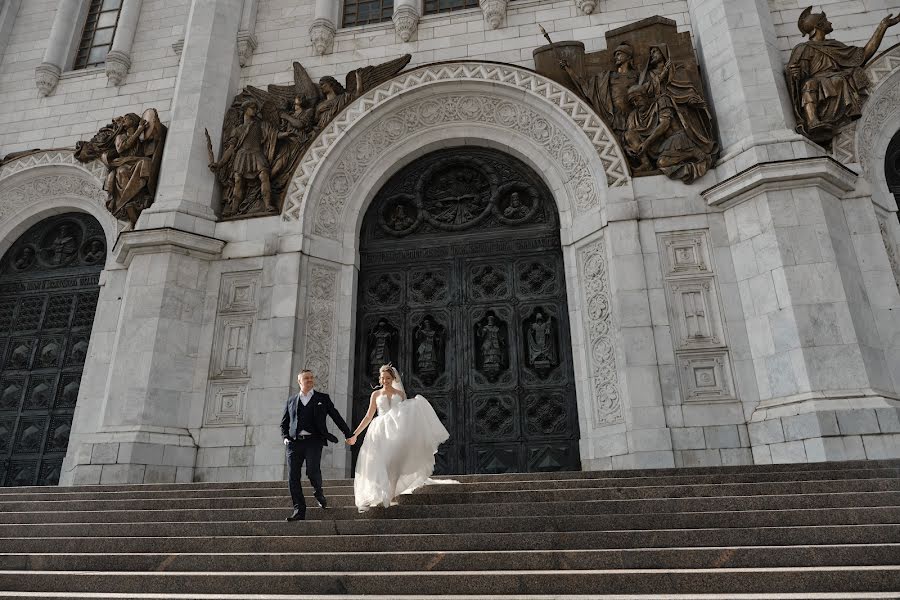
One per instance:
(821,307)
(144,434)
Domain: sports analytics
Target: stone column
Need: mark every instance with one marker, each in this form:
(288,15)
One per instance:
(321,32)
(8,11)
(744,79)
(406,18)
(118,59)
(207,81)
(46,74)
(246,37)
(821,309)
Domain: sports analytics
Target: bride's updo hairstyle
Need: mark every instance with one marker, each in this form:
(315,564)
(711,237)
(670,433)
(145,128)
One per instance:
(388,369)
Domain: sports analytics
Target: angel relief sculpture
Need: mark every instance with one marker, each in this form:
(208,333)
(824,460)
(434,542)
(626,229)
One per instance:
(131,149)
(267,132)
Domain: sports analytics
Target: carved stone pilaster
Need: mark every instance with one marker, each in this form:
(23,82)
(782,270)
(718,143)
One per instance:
(494,11)
(46,77)
(117,66)
(586,6)
(406,21)
(321,34)
(246,44)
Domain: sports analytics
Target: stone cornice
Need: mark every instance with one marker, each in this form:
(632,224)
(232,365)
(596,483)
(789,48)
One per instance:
(165,239)
(823,172)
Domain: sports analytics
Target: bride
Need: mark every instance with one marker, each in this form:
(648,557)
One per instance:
(397,455)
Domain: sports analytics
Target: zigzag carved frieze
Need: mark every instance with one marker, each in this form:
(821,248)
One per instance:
(561,98)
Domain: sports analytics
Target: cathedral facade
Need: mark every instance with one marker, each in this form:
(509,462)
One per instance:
(595,234)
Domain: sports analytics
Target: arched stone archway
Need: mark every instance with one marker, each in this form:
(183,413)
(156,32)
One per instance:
(462,104)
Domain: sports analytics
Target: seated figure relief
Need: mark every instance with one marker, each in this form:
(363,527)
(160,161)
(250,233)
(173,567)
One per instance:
(825,77)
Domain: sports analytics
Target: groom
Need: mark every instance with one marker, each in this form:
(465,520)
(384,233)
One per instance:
(305,434)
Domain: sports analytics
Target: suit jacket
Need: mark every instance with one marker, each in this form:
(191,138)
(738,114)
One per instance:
(322,406)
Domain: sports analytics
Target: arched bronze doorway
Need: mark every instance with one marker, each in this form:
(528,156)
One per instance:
(48,296)
(462,288)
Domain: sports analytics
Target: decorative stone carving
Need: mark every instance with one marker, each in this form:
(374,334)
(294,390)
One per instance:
(329,207)
(246,44)
(494,11)
(406,21)
(889,246)
(586,6)
(131,149)
(825,77)
(658,113)
(267,132)
(706,377)
(882,106)
(225,404)
(46,76)
(321,34)
(607,407)
(320,323)
(41,188)
(117,65)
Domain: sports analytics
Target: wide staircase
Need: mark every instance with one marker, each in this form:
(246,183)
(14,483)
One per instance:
(826,530)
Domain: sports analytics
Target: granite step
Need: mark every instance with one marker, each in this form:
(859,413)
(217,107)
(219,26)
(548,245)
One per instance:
(456,494)
(301,541)
(620,474)
(278,488)
(546,523)
(642,558)
(571,581)
(438,511)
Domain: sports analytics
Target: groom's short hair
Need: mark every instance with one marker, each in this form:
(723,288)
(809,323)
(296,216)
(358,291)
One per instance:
(304,371)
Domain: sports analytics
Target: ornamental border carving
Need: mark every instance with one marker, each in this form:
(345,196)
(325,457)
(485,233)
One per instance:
(76,180)
(553,94)
(856,142)
(321,326)
(607,405)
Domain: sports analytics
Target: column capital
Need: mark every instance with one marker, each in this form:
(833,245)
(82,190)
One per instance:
(823,172)
(165,239)
(494,11)
(406,19)
(117,65)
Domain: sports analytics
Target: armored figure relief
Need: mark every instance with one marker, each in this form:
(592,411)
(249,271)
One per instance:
(427,342)
(608,90)
(515,209)
(380,346)
(131,149)
(541,353)
(826,78)
(267,132)
(62,248)
(24,259)
(491,346)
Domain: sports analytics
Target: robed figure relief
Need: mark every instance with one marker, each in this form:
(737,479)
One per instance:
(658,112)
(131,149)
(825,77)
(267,132)
(669,127)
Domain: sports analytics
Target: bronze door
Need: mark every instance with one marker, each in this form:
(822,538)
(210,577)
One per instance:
(48,297)
(469,303)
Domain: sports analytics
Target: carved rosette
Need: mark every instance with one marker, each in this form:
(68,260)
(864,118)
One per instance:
(598,313)
(117,65)
(494,11)
(246,44)
(586,6)
(406,21)
(321,34)
(46,76)
(320,328)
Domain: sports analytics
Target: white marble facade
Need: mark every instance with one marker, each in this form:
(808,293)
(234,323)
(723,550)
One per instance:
(751,317)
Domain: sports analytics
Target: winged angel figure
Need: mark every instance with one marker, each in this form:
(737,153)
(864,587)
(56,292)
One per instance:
(267,132)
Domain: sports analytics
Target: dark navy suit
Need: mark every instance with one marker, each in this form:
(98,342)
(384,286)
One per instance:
(308,448)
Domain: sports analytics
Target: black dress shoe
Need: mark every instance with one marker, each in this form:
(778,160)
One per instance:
(297,516)
(320,498)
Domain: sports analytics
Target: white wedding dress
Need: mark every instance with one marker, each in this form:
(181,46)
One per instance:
(397,455)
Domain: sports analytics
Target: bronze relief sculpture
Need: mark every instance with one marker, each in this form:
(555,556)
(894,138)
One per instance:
(657,110)
(131,149)
(825,77)
(267,132)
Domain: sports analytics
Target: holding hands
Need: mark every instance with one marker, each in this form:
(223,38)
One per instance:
(351,440)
